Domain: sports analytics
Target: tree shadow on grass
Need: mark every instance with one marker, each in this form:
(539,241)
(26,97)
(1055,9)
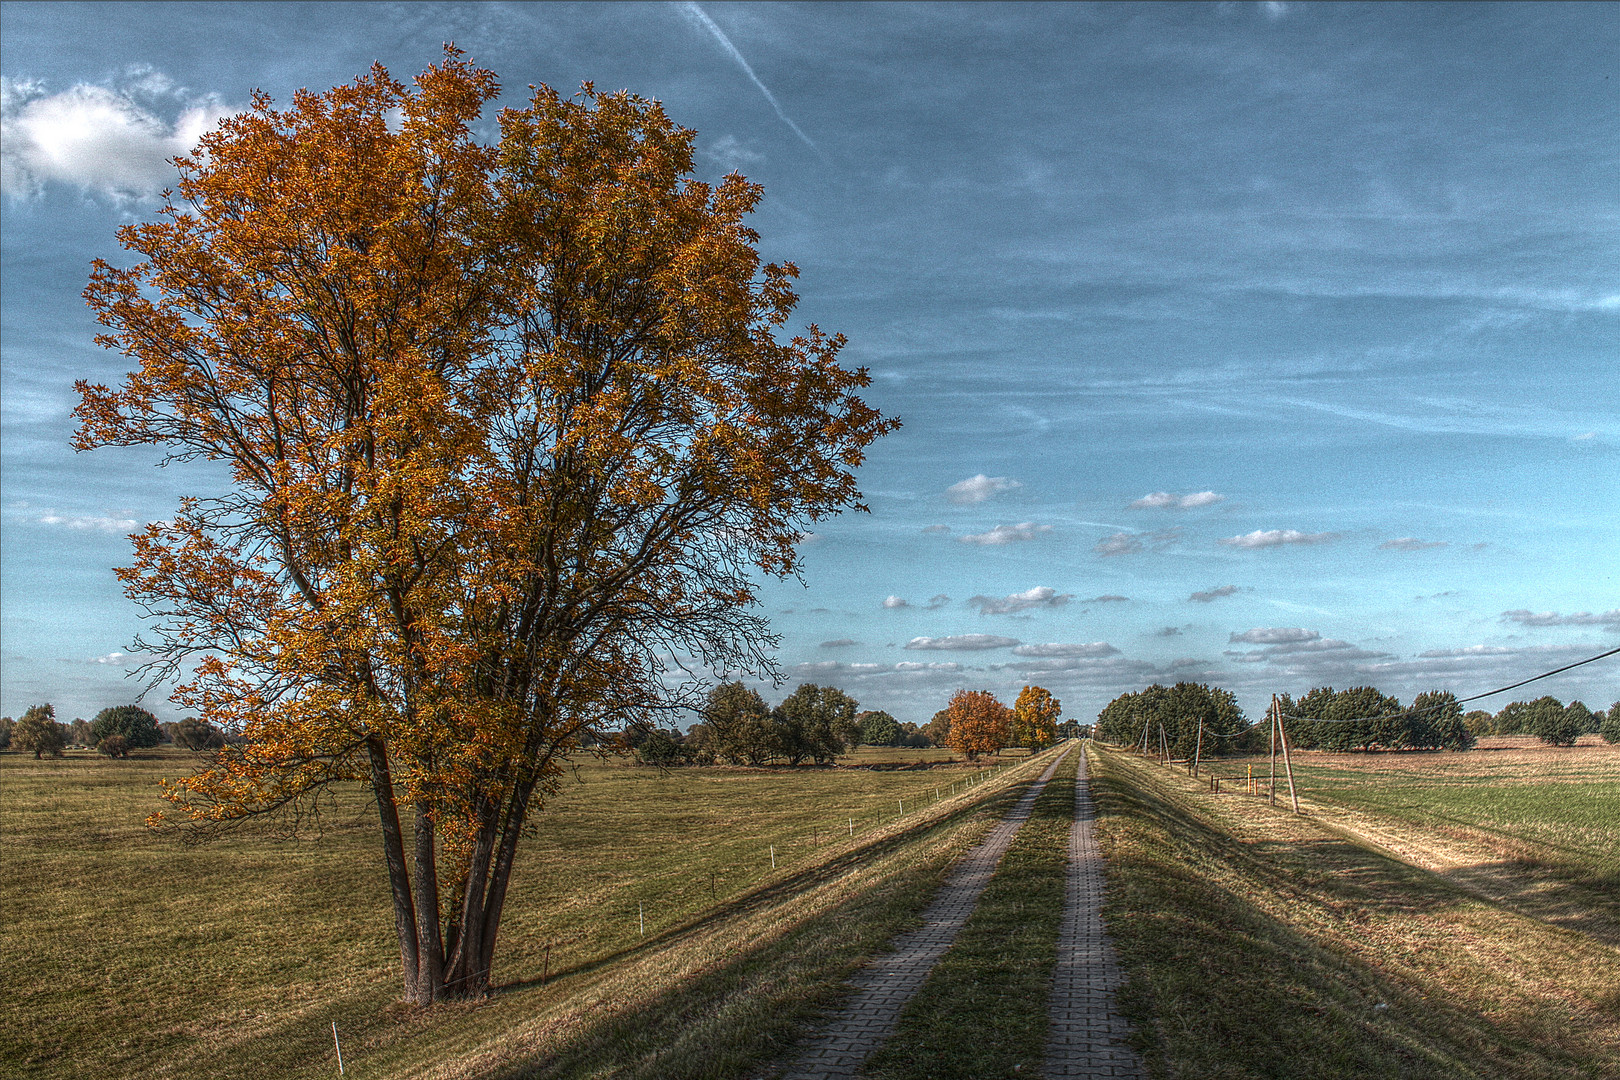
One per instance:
(1218,987)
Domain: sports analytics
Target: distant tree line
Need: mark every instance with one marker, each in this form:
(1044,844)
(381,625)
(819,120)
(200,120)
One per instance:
(1548,719)
(1361,719)
(1178,712)
(114,732)
(816,724)
(1358,719)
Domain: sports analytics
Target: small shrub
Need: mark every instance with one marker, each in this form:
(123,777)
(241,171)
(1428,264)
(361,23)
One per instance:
(114,746)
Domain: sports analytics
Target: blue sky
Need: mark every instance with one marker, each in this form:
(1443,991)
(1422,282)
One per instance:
(1270,345)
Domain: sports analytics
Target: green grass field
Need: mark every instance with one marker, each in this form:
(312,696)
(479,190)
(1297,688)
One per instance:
(128,953)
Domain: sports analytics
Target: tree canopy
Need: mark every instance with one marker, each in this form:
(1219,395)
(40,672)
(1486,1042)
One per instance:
(1035,717)
(1179,710)
(137,727)
(509,427)
(979,724)
(38,733)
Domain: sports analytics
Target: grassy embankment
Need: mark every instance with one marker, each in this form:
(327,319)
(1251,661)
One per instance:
(1256,943)
(982,1013)
(126,953)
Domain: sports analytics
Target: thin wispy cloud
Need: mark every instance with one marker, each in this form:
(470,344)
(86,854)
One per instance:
(1410,543)
(1525,617)
(1007,534)
(963,642)
(697,12)
(1041,596)
(1169,500)
(1264,538)
(1211,595)
(1053,649)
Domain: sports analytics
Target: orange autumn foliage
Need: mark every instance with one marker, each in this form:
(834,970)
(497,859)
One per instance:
(508,427)
(979,723)
(1035,717)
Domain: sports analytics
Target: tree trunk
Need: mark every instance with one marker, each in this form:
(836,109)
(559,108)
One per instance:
(430,952)
(382,787)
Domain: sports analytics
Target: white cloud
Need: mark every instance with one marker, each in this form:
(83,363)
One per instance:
(976,489)
(110,140)
(1166,500)
(116,659)
(1213,594)
(895,602)
(839,643)
(825,668)
(1127,543)
(963,642)
(1264,538)
(1274,9)
(1524,617)
(731,153)
(1410,543)
(1121,543)
(1090,649)
(1007,534)
(99,522)
(1274,635)
(1039,596)
(1310,651)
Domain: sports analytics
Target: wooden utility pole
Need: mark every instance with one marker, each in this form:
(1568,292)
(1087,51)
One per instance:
(1164,747)
(1198,750)
(1282,733)
(1272,790)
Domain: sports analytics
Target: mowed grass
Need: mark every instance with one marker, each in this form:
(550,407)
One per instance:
(128,953)
(1258,944)
(982,1011)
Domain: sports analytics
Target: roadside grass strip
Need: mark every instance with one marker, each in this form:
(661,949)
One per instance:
(1258,944)
(982,1012)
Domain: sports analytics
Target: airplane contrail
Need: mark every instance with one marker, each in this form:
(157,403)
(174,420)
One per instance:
(720,35)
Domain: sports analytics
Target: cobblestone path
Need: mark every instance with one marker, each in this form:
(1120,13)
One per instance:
(1087,1036)
(888,982)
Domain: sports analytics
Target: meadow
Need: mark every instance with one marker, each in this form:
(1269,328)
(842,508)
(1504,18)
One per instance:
(647,933)
(1429,915)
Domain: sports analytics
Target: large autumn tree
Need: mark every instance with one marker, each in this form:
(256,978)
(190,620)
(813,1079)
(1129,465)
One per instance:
(1035,717)
(509,427)
(979,724)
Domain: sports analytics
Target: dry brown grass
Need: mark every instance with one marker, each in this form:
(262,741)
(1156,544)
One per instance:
(1261,944)
(128,954)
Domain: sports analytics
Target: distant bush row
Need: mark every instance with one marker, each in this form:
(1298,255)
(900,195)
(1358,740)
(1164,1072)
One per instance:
(816,724)
(114,731)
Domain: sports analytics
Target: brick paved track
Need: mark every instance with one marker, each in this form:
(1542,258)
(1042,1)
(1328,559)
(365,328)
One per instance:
(888,982)
(1087,1036)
